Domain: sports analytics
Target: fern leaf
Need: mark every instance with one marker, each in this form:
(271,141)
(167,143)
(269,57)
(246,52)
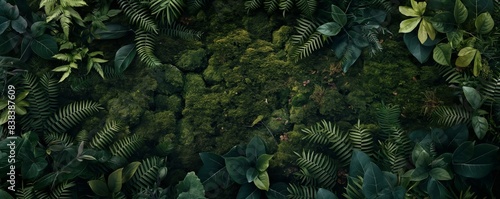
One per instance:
(40,104)
(392,156)
(125,147)
(307,7)
(252,4)
(62,191)
(104,138)
(178,30)
(194,5)
(453,76)
(145,43)
(451,115)
(305,28)
(354,188)
(361,139)
(26,192)
(490,88)
(270,5)
(166,9)
(52,138)
(301,192)
(138,15)
(320,167)
(326,134)
(286,6)
(70,115)
(52,89)
(314,42)
(147,173)
(388,119)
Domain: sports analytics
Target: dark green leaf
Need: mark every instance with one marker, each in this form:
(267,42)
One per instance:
(373,181)
(5,195)
(472,170)
(418,50)
(359,163)
(464,152)
(25,49)
(338,15)
(484,153)
(4,24)
(442,54)
(45,181)
(214,171)
(330,29)
(7,43)
(419,174)
(38,28)
(455,38)
(99,187)
(129,170)
(484,23)
(441,161)
(112,31)
(255,148)
(277,191)
(439,138)
(475,7)
(440,174)
(473,97)
(44,46)
(248,191)
(480,126)
(12,11)
(190,187)
(124,56)
(457,135)
(237,168)
(115,181)
(19,25)
(325,194)
(32,168)
(436,189)
(443,22)
(460,12)
(252,173)
(238,150)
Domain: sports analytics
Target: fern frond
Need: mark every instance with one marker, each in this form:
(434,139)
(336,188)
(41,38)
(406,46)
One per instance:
(326,134)
(26,192)
(392,156)
(270,5)
(166,9)
(490,88)
(361,138)
(146,175)
(50,86)
(194,5)
(138,15)
(70,115)
(103,138)
(178,30)
(40,105)
(452,75)
(252,4)
(354,188)
(387,5)
(307,7)
(314,42)
(286,5)
(451,115)
(301,192)
(388,119)
(125,147)
(305,28)
(145,43)
(53,138)
(62,191)
(321,168)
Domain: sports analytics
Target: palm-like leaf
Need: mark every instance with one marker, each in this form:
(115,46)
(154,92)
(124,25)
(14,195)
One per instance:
(139,15)
(52,138)
(361,138)
(451,115)
(388,119)
(168,10)
(490,88)
(70,115)
(286,5)
(40,102)
(62,191)
(145,43)
(271,5)
(307,7)
(104,137)
(354,188)
(125,147)
(252,4)
(321,168)
(147,173)
(392,156)
(307,40)
(50,86)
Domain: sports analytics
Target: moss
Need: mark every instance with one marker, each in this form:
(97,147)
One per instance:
(165,145)
(259,25)
(154,124)
(194,84)
(278,121)
(170,79)
(192,60)
(281,36)
(290,142)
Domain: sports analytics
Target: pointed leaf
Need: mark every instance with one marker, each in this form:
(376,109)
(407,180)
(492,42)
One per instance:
(4,24)
(419,174)
(484,23)
(99,187)
(442,54)
(465,56)
(129,170)
(263,162)
(457,135)
(190,187)
(373,180)
(419,51)
(480,126)
(463,153)
(255,148)
(112,31)
(359,163)
(443,22)
(44,46)
(19,25)
(460,12)
(252,173)
(124,56)
(436,189)
(7,43)
(277,191)
(248,191)
(478,64)
(262,181)
(330,29)
(426,31)
(473,97)
(237,167)
(338,15)
(407,11)
(325,194)
(408,25)
(115,181)
(440,174)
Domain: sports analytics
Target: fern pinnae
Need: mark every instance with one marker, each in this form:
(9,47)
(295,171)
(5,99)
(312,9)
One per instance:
(271,5)
(286,5)
(40,106)
(354,188)
(146,174)
(126,146)
(301,191)
(307,7)
(145,43)
(314,42)
(62,191)
(52,138)
(171,9)
(194,5)
(103,138)
(70,115)
(388,118)
(361,138)
(180,31)
(322,168)
(490,88)
(138,15)
(52,89)
(451,115)
(252,4)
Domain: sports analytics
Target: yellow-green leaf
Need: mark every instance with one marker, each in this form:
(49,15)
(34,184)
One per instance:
(442,54)
(407,11)
(99,60)
(115,181)
(99,187)
(63,68)
(408,25)
(419,7)
(478,64)
(63,57)
(484,23)
(465,56)
(262,181)
(65,75)
(460,12)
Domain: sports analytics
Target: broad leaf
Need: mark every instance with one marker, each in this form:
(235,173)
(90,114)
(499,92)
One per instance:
(419,174)
(38,28)
(263,162)
(409,25)
(464,152)
(436,189)
(473,97)
(7,43)
(480,126)
(465,56)
(262,181)
(99,187)
(338,15)
(443,22)
(407,11)
(129,170)
(237,168)
(46,180)
(277,191)
(4,24)
(19,25)
(439,138)
(248,191)
(457,135)
(44,46)
(359,163)
(484,23)
(329,29)
(124,56)
(33,165)
(190,187)
(373,181)
(442,54)
(214,171)
(460,12)
(325,194)
(475,7)
(455,38)
(440,174)
(5,195)
(252,173)
(426,31)
(115,181)
(112,31)
(255,148)
(419,51)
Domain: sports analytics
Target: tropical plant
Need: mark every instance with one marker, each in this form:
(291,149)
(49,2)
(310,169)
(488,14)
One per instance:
(112,189)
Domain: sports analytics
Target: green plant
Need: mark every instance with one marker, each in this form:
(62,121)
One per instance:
(112,189)
(14,103)
(64,12)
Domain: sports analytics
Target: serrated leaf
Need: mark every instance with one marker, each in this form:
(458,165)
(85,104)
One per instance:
(484,23)
(442,54)
(460,12)
(408,25)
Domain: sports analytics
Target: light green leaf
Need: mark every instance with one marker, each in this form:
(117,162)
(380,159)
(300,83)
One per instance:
(480,126)
(465,56)
(426,31)
(442,54)
(129,170)
(115,181)
(65,75)
(419,6)
(262,181)
(263,162)
(408,25)
(257,120)
(407,11)
(330,29)
(440,174)
(460,12)
(63,68)
(484,23)
(339,15)
(478,64)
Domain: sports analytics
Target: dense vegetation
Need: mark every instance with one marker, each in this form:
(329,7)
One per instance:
(250,98)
